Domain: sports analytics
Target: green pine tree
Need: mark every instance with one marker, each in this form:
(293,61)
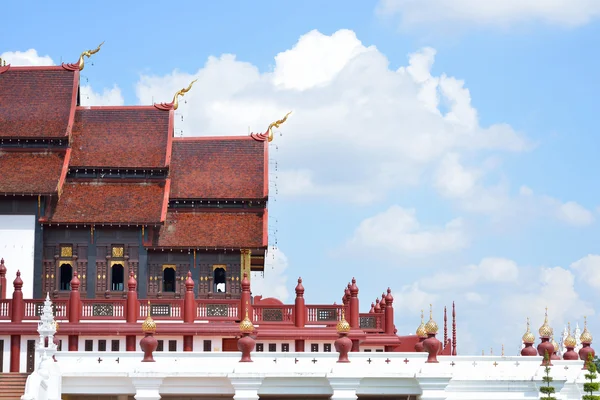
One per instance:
(591,386)
(547,390)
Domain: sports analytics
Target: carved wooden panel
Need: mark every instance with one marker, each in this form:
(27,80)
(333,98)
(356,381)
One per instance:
(82,275)
(101,275)
(154,271)
(326,314)
(48,276)
(367,322)
(272,314)
(102,310)
(217,310)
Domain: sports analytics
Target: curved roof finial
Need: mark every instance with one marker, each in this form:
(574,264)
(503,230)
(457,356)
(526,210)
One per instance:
(87,54)
(276,124)
(182,92)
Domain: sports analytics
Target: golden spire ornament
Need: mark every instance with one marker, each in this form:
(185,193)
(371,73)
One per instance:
(586,336)
(276,124)
(246,326)
(149,326)
(88,54)
(343,326)
(545,330)
(421,331)
(431,327)
(570,341)
(528,337)
(182,93)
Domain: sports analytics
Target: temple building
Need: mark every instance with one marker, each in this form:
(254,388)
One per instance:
(144,250)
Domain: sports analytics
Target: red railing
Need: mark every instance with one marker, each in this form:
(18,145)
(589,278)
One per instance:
(162,309)
(323,315)
(103,309)
(283,314)
(5,308)
(218,309)
(33,308)
(371,322)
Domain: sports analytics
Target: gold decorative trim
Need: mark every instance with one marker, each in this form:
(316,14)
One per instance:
(173,266)
(113,263)
(118,251)
(215,266)
(66,251)
(63,262)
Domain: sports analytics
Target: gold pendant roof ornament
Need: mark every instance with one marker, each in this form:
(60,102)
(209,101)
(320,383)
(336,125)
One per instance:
(586,336)
(545,330)
(421,331)
(149,326)
(528,337)
(182,92)
(87,54)
(431,327)
(343,326)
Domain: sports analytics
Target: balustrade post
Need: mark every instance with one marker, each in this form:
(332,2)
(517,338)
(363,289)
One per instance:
(17,304)
(74,299)
(189,301)
(389,313)
(300,308)
(354,306)
(2,280)
(133,306)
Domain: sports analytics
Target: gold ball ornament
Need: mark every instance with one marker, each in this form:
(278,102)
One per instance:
(246,326)
(343,326)
(545,330)
(431,327)
(586,336)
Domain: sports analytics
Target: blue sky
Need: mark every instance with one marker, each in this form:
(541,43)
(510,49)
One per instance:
(498,192)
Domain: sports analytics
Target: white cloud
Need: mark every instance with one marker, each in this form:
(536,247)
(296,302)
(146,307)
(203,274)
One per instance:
(412,299)
(397,231)
(25,58)
(274,281)
(499,13)
(108,97)
(489,270)
(588,269)
(574,213)
(359,129)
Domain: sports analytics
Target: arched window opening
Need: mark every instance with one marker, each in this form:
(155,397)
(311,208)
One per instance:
(117,277)
(169,280)
(66,274)
(219,280)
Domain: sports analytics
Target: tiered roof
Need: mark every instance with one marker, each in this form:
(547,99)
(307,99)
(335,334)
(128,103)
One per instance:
(94,174)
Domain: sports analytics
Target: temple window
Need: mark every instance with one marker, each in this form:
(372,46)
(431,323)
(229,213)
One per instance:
(114,345)
(314,347)
(102,345)
(219,279)
(117,277)
(260,347)
(160,346)
(327,347)
(285,347)
(168,278)
(172,345)
(272,347)
(65,276)
(89,345)
(207,345)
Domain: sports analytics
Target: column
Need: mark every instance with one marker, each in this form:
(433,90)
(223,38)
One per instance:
(433,388)
(38,248)
(90,278)
(147,388)
(246,388)
(142,278)
(344,388)
(15,353)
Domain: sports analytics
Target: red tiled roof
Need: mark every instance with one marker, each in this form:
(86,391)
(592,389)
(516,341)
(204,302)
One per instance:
(135,137)
(219,168)
(30,172)
(110,203)
(212,229)
(36,102)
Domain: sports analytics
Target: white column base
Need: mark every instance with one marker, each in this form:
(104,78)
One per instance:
(434,388)
(147,388)
(344,388)
(246,388)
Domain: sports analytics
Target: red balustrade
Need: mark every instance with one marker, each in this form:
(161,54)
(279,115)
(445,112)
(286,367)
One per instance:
(323,315)
(225,310)
(267,314)
(371,322)
(161,309)
(5,307)
(33,308)
(99,309)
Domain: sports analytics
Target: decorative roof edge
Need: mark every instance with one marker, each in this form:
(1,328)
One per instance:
(268,134)
(164,106)
(63,172)
(165,205)
(4,68)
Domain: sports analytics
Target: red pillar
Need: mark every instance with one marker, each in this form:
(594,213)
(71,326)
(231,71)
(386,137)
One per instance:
(245,298)
(75,299)
(2,279)
(133,306)
(188,343)
(389,313)
(300,308)
(189,302)
(15,353)
(354,307)
(299,345)
(17,304)
(130,343)
(73,342)
(382,307)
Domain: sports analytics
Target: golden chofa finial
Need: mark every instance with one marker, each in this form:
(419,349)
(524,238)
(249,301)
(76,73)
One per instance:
(276,124)
(182,92)
(87,54)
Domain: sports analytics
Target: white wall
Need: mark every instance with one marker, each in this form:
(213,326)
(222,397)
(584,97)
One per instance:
(16,247)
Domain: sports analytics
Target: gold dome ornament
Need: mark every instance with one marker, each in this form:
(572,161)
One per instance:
(149,326)
(421,331)
(586,336)
(545,330)
(246,326)
(555,345)
(431,327)
(343,326)
(570,341)
(528,337)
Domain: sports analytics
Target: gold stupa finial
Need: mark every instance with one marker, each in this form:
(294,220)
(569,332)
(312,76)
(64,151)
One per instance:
(586,336)
(276,124)
(528,336)
(570,340)
(343,326)
(182,92)
(431,327)
(246,326)
(545,330)
(421,332)
(87,54)
(148,326)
